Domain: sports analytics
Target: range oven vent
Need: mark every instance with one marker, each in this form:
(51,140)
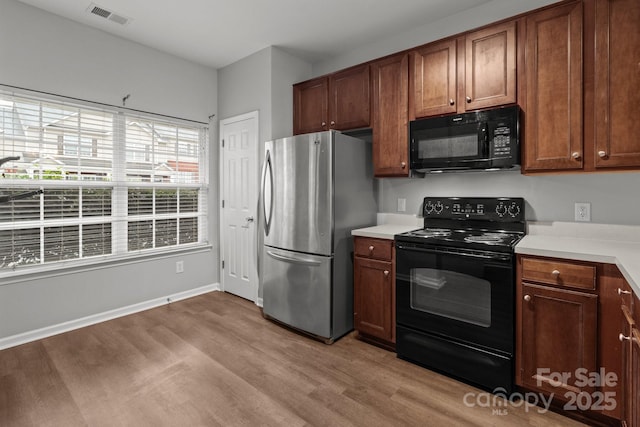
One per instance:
(107,14)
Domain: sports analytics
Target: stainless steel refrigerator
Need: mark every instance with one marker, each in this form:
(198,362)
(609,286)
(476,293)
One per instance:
(316,188)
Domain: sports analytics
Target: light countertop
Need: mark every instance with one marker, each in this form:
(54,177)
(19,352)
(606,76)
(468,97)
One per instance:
(390,225)
(611,244)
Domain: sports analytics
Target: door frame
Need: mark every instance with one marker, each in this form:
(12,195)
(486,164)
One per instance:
(223,122)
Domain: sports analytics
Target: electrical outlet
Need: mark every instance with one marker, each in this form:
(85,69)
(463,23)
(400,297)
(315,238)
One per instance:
(583,212)
(402,205)
(179,267)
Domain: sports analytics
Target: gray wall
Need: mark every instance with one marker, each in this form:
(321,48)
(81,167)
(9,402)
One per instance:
(44,52)
(262,81)
(613,196)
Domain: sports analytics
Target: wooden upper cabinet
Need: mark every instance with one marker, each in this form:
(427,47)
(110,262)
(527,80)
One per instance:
(617,82)
(310,106)
(434,79)
(339,101)
(390,77)
(472,72)
(349,98)
(553,107)
(490,67)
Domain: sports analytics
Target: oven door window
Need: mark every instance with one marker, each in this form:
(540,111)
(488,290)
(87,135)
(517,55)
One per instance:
(452,295)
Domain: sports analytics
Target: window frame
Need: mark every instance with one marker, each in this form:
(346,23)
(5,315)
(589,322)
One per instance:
(115,180)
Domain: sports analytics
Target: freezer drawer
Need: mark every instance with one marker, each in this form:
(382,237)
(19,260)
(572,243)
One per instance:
(297,290)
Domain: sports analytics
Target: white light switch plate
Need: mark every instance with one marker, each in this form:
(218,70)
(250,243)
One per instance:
(583,212)
(402,205)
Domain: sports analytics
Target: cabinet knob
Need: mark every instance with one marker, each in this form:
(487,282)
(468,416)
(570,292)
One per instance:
(468,99)
(575,155)
(386,273)
(556,273)
(371,248)
(324,124)
(452,102)
(602,154)
(622,338)
(623,292)
(403,165)
(527,298)
(332,123)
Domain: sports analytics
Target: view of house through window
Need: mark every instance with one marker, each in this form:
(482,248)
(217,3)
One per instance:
(94,183)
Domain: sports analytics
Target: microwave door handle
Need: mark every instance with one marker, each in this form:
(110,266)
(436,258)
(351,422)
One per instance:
(485,140)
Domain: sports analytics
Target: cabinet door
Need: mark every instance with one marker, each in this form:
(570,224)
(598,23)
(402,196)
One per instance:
(626,336)
(310,109)
(349,98)
(490,63)
(372,296)
(617,82)
(634,398)
(433,77)
(390,116)
(558,332)
(553,107)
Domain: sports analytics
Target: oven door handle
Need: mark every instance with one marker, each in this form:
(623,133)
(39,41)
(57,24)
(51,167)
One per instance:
(465,253)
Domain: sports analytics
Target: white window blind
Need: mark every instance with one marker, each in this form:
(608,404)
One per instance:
(94,184)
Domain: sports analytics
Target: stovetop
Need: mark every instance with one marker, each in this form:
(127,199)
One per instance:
(492,224)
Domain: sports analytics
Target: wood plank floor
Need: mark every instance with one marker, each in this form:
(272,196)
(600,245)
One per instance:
(213,360)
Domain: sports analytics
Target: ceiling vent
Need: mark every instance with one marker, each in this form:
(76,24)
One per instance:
(107,14)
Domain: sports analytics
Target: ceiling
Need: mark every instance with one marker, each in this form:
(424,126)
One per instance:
(216,33)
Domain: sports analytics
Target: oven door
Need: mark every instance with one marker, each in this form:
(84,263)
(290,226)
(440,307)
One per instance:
(467,296)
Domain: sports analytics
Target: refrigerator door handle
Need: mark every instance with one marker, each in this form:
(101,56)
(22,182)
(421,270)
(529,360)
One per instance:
(293,259)
(267,168)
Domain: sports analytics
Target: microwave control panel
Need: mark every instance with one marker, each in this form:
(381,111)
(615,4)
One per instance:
(501,142)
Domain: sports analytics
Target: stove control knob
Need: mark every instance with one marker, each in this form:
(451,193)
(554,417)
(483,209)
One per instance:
(438,208)
(514,210)
(428,208)
(501,210)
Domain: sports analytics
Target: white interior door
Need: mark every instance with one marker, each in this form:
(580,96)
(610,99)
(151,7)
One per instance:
(239,194)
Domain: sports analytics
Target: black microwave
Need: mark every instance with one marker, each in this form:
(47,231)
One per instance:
(486,139)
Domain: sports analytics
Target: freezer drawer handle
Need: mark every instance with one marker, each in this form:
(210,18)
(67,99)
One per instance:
(294,260)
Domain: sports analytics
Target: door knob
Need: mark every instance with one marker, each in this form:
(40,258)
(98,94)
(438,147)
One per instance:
(249,219)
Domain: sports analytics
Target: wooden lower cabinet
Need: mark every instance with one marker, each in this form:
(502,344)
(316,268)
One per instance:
(630,339)
(374,292)
(568,344)
(558,332)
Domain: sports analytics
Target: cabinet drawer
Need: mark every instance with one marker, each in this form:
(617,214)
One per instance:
(373,248)
(559,273)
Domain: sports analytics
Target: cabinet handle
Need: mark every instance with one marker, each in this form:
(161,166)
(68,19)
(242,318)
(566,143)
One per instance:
(623,292)
(575,155)
(386,273)
(602,154)
(622,338)
(452,102)
(468,99)
(527,298)
(556,273)
(403,165)
(371,248)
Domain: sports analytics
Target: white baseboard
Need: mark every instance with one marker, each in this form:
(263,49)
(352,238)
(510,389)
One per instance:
(259,302)
(48,331)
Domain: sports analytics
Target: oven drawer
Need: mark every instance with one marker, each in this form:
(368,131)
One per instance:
(368,247)
(559,273)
